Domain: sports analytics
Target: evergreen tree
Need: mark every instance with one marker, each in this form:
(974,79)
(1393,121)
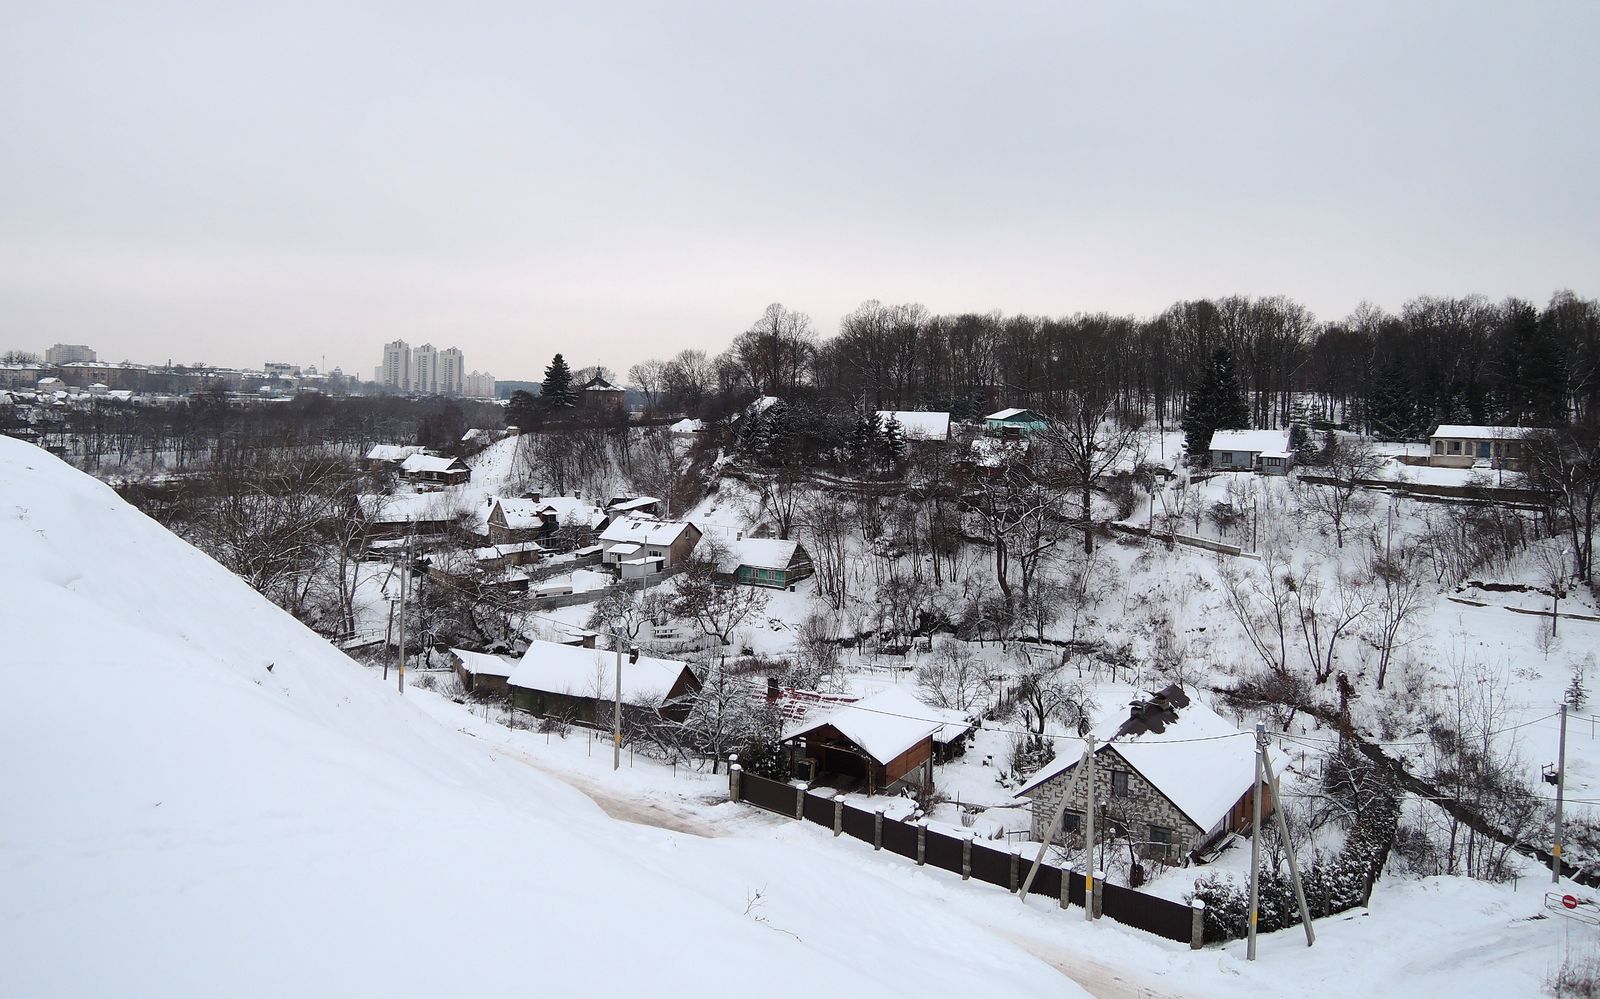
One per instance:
(1544,375)
(1217,404)
(1391,406)
(866,438)
(557,388)
(522,410)
(894,441)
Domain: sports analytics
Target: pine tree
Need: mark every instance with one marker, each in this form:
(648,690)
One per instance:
(1391,404)
(866,438)
(1544,376)
(557,388)
(1217,404)
(894,441)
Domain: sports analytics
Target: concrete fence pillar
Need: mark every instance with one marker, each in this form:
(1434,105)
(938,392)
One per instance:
(799,802)
(734,770)
(838,813)
(1099,890)
(877,829)
(1015,878)
(1197,928)
(922,841)
(1066,886)
(966,857)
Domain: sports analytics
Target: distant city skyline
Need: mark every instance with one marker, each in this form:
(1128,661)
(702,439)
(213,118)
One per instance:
(623,182)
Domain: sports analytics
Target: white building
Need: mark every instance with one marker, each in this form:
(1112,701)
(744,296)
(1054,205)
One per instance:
(396,371)
(425,369)
(67,353)
(452,368)
(479,385)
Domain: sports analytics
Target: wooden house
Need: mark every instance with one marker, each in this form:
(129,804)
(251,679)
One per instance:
(389,455)
(765,562)
(435,468)
(481,673)
(876,745)
(580,684)
(407,515)
(1014,423)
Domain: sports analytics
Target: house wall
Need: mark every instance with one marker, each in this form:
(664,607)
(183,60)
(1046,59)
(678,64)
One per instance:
(1143,806)
(481,684)
(908,762)
(1464,452)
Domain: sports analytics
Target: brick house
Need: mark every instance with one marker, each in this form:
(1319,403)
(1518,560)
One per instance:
(1173,777)
(630,538)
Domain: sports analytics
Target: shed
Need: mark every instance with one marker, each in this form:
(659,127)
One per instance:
(877,744)
(481,673)
(435,468)
(765,562)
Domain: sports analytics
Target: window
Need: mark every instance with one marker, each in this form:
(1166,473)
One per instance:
(1071,822)
(1455,447)
(1438,447)
(1163,841)
(1224,457)
(1119,783)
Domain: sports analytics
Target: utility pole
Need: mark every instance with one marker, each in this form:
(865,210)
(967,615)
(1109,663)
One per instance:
(1049,833)
(1561,788)
(616,710)
(405,574)
(1088,835)
(388,638)
(1255,844)
(1265,763)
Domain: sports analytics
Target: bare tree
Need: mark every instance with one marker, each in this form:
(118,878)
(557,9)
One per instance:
(1566,465)
(1047,695)
(718,608)
(1399,599)
(952,677)
(1327,615)
(1087,443)
(1347,463)
(647,377)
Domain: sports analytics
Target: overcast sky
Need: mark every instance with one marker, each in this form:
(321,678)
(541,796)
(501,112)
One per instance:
(615,181)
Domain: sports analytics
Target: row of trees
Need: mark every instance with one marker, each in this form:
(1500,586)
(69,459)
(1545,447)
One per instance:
(1462,360)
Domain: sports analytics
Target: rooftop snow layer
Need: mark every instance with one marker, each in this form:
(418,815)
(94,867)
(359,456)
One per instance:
(578,672)
(1254,441)
(885,724)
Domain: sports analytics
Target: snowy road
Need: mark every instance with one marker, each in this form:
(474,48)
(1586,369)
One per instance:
(1100,980)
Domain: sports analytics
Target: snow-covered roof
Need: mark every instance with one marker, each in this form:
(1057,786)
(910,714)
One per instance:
(520,514)
(1254,441)
(1201,762)
(431,463)
(393,452)
(570,510)
(639,530)
(500,551)
(598,384)
(991,452)
(917,425)
(637,503)
(625,549)
(1480,433)
(407,507)
(687,426)
(1006,414)
(761,405)
(758,553)
(885,724)
(482,664)
(474,434)
(578,672)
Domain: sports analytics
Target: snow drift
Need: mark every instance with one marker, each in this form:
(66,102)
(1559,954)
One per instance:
(183,820)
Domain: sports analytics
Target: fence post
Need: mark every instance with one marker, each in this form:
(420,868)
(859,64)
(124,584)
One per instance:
(1197,929)
(877,829)
(1099,886)
(799,802)
(922,840)
(734,770)
(1066,885)
(966,857)
(838,813)
(1016,860)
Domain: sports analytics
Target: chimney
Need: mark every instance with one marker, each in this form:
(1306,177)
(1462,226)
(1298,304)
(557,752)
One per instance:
(1136,709)
(772,690)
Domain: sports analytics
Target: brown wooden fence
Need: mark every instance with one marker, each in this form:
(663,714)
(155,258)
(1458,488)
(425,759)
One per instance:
(1003,868)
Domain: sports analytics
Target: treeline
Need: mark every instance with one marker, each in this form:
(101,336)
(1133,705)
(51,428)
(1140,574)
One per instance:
(215,428)
(1440,360)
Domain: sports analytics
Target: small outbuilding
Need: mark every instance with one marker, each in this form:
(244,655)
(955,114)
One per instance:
(435,468)
(765,562)
(482,673)
(580,684)
(1014,423)
(876,745)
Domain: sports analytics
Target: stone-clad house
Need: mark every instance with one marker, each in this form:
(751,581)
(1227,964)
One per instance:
(1174,777)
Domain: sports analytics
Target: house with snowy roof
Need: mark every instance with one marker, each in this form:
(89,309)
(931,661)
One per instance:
(534,517)
(425,467)
(764,562)
(601,397)
(481,673)
(1462,446)
(1173,777)
(876,745)
(580,684)
(627,539)
(1014,423)
(390,455)
(1264,451)
(407,514)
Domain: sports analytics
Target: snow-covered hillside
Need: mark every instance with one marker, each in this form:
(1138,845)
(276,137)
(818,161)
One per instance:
(204,798)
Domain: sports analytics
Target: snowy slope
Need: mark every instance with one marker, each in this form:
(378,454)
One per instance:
(182,821)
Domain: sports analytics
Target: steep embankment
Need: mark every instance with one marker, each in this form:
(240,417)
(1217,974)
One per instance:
(182,819)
